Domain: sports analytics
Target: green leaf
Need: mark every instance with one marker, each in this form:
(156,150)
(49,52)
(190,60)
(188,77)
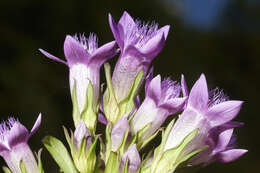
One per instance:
(6,170)
(22,167)
(113,163)
(60,154)
(75,110)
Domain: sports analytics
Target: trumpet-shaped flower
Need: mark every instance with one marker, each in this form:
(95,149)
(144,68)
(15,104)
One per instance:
(205,111)
(14,147)
(163,98)
(133,157)
(84,60)
(139,43)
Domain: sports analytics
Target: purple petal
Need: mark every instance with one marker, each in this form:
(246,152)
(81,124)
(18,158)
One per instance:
(153,47)
(3,148)
(52,56)
(223,112)
(149,77)
(184,88)
(74,51)
(133,157)
(102,119)
(36,124)
(198,98)
(17,134)
(174,105)
(231,155)
(165,30)
(127,22)
(154,89)
(115,31)
(81,132)
(103,53)
(118,132)
(223,140)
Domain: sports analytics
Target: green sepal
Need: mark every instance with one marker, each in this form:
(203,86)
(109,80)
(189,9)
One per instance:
(40,168)
(89,114)
(110,104)
(123,142)
(108,140)
(169,160)
(60,154)
(22,167)
(126,106)
(142,167)
(113,163)
(6,170)
(75,109)
(125,169)
(142,144)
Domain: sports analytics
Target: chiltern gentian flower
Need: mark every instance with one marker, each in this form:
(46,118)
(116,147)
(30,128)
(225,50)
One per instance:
(221,146)
(139,43)
(118,132)
(82,133)
(84,60)
(206,111)
(162,99)
(133,157)
(14,147)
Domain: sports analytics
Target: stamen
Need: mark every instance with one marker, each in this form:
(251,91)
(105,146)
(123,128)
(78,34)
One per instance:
(217,96)
(5,126)
(170,89)
(140,33)
(90,44)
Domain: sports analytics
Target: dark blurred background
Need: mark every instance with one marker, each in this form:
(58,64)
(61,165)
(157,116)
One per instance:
(217,37)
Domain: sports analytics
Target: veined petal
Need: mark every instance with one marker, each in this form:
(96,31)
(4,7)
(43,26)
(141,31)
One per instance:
(231,155)
(223,112)
(36,124)
(198,98)
(223,140)
(127,22)
(102,54)
(115,31)
(52,56)
(154,89)
(74,51)
(153,47)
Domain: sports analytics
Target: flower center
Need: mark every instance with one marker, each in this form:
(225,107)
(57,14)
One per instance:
(170,89)
(90,44)
(5,127)
(140,33)
(217,96)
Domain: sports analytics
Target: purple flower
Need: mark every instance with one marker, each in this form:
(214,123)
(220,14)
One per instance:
(206,111)
(118,132)
(139,43)
(133,157)
(162,99)
(84,60)
(222,143)
(82,133)
(14,147)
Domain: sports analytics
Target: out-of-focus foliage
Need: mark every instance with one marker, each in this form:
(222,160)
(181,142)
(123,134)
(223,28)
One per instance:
(228,52)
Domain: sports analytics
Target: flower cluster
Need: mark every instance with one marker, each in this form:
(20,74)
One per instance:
(201,125)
